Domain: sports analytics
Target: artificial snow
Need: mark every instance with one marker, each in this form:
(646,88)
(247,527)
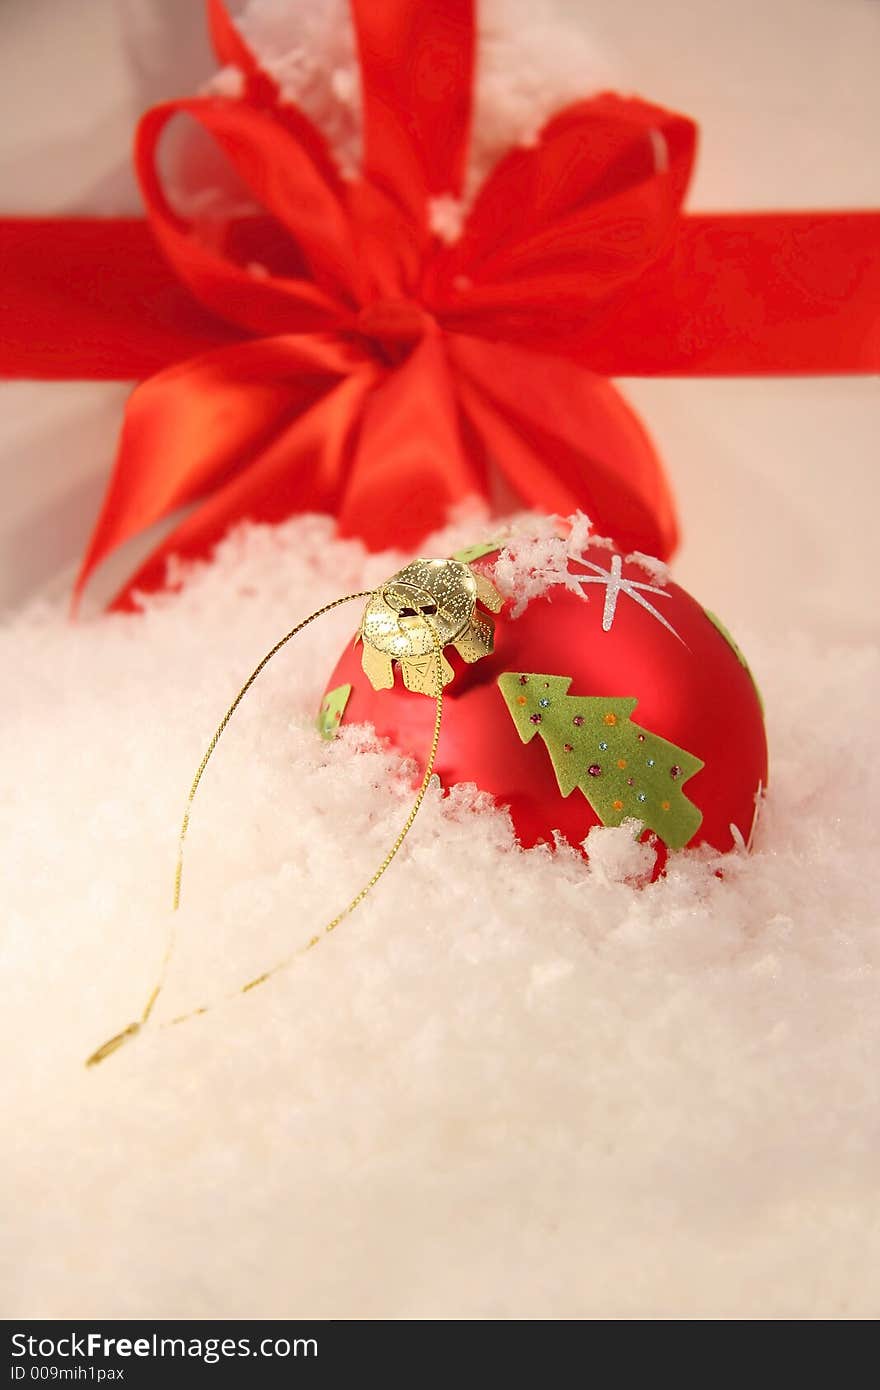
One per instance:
(512,1084)
(446,217)
(226,82)
(656,570)
(536,554)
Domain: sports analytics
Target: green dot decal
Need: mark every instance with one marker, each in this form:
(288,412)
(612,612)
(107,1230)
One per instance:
(331,711)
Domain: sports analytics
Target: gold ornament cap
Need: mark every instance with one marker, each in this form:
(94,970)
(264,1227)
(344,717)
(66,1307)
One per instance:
(427,601)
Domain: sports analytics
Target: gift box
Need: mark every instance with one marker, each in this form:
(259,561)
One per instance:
(516,1083)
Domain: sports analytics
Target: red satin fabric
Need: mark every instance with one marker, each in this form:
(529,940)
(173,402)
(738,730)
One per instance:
(333,353)
(94,299)
(741,294)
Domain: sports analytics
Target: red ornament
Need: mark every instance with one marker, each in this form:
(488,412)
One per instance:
(625,694)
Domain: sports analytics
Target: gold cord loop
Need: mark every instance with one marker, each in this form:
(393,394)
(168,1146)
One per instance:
(117,1041)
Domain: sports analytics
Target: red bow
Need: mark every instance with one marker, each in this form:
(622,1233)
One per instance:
(370,369)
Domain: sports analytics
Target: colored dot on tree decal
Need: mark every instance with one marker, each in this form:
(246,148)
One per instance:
(621,762)
(522,700)
(535,718)
(675,770)
(578,721)
(665,805)
(594,770)
(610,719)
(568,748)
(618,805)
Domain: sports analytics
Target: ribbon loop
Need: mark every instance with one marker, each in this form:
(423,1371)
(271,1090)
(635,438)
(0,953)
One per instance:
(322,286)
(570,222)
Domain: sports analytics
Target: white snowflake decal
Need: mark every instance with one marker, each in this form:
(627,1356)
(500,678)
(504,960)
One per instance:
(616,583)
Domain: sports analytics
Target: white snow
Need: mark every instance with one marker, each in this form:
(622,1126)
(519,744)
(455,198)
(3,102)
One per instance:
(446,217)
(537,554)
(226,82)
(511,1085)
(656,570)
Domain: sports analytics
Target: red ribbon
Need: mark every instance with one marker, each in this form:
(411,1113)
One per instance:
(332,353)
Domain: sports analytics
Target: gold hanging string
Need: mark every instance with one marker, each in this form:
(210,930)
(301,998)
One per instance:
(108,1048)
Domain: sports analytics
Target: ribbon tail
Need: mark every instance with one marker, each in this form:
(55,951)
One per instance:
(566,440)
(190,428)
(411,463)
(302,469)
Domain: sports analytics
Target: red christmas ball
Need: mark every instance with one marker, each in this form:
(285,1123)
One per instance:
(612,696)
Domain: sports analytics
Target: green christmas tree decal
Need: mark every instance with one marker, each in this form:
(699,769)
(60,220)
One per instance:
(623,770)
